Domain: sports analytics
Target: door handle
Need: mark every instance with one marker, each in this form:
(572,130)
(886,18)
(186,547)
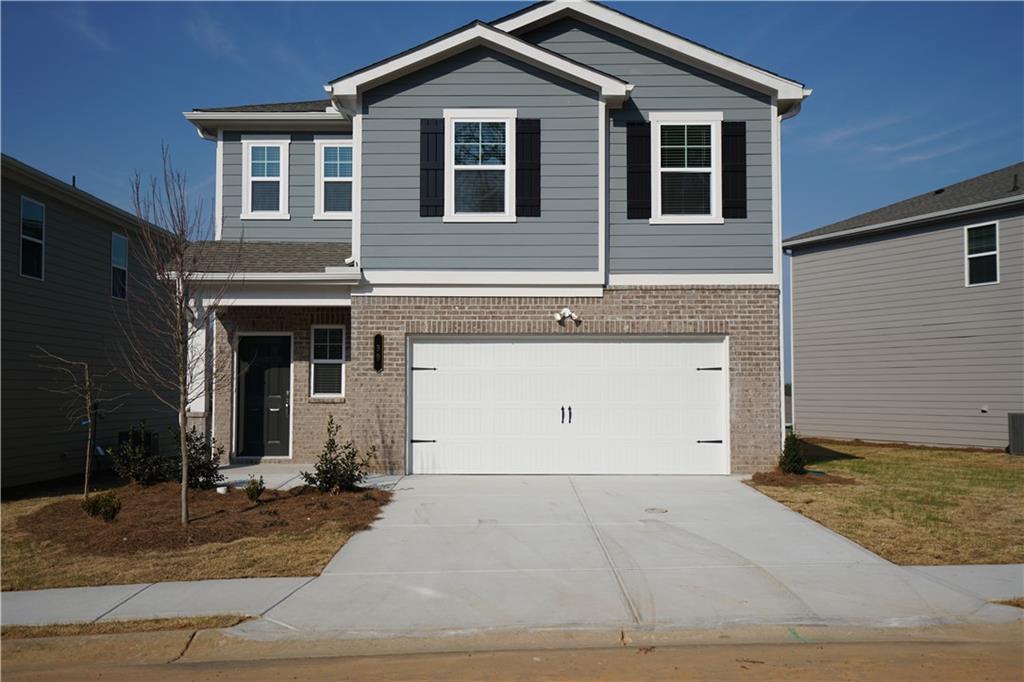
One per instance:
(563,414)
(570,414)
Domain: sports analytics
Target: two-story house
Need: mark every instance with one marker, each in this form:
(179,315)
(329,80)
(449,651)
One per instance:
(545,244)
(908,320)
(73,282)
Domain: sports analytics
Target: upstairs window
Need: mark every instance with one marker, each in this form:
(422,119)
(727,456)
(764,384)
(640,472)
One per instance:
(333,178)
(33,235)
(265,185)
(479,165)
(981,255)
(685,167)
(328,362)
(118,266)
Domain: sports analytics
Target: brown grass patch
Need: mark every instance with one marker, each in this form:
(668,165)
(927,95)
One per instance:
(120,627)
(49,542)
(916,505)
(1019,602)
(776,477)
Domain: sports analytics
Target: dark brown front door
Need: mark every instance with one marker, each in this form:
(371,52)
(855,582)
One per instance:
(264,381)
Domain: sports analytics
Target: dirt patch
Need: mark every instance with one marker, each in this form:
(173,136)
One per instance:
(119,627)
(1019,602)
(783,480)
(149,518)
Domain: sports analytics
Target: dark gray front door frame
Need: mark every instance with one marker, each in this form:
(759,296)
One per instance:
(238,432)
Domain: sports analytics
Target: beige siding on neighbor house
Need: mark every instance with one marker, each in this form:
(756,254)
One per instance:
(889,344)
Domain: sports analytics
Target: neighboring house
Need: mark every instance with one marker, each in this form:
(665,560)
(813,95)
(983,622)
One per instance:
(70,274)
(411,241)
(908,321)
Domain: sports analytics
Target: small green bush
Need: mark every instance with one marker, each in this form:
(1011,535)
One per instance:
(104,505)
(338,468)
(792,460)
(134,460)
(204,457)
(254,488)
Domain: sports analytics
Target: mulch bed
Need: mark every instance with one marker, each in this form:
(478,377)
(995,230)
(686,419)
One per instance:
(150,518)
(783,480)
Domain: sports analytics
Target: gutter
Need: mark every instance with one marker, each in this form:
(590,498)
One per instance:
(905,222)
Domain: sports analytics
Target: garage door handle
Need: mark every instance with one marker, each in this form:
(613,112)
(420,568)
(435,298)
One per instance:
(709,441)
(709,369)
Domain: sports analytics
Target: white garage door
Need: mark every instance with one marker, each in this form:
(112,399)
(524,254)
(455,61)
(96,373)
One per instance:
(568,406)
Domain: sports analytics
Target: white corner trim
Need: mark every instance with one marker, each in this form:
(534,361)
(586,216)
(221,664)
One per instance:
(660,41)
(319,142)
(482,277)
(776,128)
(218,199)
(248,142)
(506,116)
(708,118)
(694,279)
(792,355)
(471,36)
(602,189)
(967,257)
(357,181)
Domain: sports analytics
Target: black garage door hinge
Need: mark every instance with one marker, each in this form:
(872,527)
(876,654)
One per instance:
(417,440)
(709,369)
(709,441)
(424,369)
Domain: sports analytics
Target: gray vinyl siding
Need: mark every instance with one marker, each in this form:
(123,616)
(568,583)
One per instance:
(662,84)
(301,181)
(71,314)
(890,345)
(564,237)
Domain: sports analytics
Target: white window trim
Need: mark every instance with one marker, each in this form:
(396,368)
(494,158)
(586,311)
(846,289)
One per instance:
(711,118)
(967,258)
(248,142)
(321,141)
(506,116)
(113,236)
(42,242)
(313,361)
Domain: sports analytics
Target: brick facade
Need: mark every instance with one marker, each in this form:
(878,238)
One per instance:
(376,409)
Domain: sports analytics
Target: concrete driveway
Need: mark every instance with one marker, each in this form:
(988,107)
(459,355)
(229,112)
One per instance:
(471,553)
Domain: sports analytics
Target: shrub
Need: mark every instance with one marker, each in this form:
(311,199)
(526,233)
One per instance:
(254,488)
(104,505)
(135,459)
(204,457)
(792,460)
(338,468)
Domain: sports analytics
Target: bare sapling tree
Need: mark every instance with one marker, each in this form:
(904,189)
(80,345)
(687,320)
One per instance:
(163,333)
(86,399)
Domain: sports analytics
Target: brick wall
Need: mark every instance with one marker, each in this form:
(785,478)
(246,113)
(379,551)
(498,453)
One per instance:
(309,415)
(747,314)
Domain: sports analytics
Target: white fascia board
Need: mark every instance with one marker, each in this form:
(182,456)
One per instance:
(660,41)
(612,88)
(351,277)
(906,222)
(483,277)
(207,122)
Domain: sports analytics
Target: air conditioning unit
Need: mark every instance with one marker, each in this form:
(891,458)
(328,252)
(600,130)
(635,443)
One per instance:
(1016,433)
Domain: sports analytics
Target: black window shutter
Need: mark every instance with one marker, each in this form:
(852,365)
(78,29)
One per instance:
(528,167)
(734,169)
(432,167)
(638,169)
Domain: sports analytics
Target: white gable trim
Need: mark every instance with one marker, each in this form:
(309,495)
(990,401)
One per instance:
(660,41)
(475,35)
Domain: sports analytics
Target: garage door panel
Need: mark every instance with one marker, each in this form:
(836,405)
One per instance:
(502,406)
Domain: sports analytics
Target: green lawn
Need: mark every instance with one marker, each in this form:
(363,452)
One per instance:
(916,505)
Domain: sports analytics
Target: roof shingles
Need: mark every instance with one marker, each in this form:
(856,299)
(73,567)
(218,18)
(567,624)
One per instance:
(999,184)
(233,256)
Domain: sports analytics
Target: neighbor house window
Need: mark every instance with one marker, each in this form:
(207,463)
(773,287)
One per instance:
(328,365)
(479,165)
(118,266)
(982,254)
(265,178)
(33,235)
(686,177)
(333,178)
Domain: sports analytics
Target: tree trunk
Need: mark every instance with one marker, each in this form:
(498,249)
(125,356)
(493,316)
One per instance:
(183,428)
(91,438)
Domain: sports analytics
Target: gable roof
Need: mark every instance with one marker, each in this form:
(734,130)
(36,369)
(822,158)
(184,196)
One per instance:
(789,92)
(472,35)
(991,190)
(308,105)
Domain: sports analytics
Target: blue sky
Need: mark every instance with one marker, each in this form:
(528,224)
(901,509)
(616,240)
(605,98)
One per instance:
(907,97)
